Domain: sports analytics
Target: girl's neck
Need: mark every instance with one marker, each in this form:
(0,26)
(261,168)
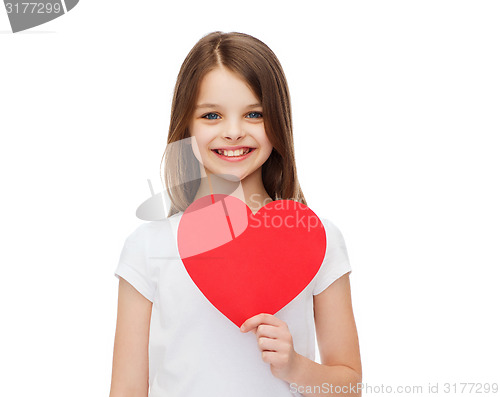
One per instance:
(250,190)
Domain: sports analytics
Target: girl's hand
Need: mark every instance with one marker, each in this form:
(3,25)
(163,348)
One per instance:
(275,342)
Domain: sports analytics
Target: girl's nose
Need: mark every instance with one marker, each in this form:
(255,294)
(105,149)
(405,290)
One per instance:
(234,137)
(235,134)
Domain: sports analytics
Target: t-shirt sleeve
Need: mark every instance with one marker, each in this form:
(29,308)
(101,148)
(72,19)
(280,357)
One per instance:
(336,261)
(133,264)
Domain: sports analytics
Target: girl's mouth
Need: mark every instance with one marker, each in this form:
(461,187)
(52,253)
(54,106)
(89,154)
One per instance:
(235,154)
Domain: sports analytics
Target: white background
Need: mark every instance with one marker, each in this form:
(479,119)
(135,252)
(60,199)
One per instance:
(396,119)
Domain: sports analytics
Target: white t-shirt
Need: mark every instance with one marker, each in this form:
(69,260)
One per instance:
(194,350)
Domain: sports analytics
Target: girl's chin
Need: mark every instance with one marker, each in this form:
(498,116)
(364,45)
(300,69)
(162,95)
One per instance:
(230,175)
(234,178)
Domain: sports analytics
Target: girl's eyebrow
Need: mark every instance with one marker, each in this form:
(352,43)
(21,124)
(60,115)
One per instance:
(213,105)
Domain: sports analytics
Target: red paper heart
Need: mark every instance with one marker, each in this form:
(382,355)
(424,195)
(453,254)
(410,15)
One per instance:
(248,264)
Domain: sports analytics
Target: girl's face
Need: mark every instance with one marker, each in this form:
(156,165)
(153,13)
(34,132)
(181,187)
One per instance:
(227,126)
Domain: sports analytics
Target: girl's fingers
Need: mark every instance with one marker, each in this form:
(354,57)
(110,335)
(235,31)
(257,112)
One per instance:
(269,356)
(269,331)
(262,318)
(268,344)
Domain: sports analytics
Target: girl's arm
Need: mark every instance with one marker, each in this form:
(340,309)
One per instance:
(130,357)
(337,343)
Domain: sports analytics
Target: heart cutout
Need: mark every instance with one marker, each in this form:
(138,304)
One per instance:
(247,264)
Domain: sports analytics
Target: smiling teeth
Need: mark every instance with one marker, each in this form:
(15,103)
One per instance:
(233,153)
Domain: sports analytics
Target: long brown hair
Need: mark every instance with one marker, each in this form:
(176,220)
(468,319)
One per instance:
(259,67)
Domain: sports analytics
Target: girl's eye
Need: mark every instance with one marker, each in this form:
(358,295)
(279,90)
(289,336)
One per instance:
(255,115)
(210,116)
(215,116)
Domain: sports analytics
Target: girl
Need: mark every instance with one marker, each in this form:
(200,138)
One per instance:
(230,121)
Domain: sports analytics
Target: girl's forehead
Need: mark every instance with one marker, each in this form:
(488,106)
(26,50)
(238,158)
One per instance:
(222,85)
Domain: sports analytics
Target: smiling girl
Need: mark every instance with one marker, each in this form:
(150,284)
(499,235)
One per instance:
(230,121)
(229,135)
